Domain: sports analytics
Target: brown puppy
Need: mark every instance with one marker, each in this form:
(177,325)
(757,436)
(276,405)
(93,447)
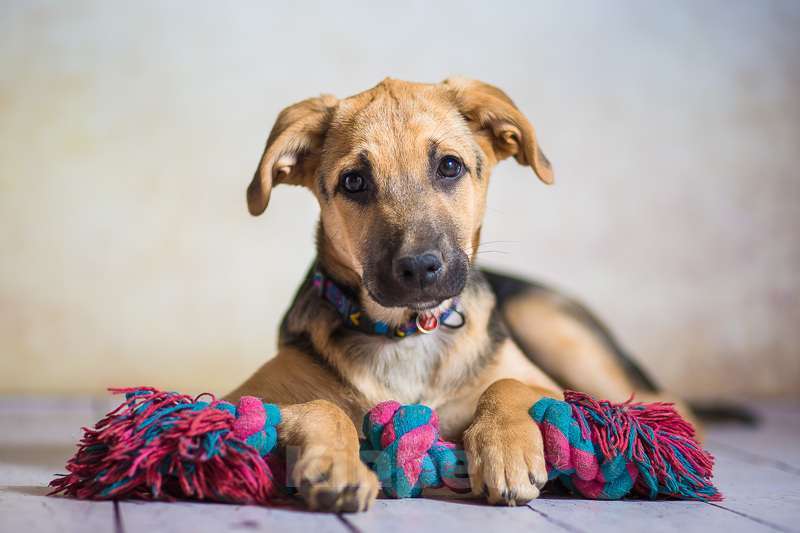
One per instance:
(401,173)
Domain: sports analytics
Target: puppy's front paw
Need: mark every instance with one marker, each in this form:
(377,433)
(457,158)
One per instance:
(337,481)
(506,459)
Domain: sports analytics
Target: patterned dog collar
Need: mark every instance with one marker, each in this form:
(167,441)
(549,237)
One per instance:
(356,318)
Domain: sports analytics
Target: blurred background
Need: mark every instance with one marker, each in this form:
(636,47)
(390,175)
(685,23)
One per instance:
(129,131)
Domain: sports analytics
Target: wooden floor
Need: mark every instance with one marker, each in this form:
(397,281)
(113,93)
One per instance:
(757,470)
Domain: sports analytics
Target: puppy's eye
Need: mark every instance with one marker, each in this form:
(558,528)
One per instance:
(449,167)
(353,182)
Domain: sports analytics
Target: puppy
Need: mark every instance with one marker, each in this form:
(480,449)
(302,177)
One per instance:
(394,308)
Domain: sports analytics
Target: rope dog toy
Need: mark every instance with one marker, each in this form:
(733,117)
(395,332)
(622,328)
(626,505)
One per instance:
(410,456)
(606,451)
(599,450)
(164,445)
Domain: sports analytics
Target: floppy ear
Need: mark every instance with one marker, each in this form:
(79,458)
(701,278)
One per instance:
(293,149)
(489,111)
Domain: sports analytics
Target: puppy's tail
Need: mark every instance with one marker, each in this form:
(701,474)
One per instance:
(716,412)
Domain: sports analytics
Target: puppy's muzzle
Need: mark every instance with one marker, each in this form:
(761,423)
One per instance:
(419,271)
(416,279)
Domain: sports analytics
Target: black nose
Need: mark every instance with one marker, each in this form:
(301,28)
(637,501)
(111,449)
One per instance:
(419,271)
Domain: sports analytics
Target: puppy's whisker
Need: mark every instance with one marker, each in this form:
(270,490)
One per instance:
(498,242)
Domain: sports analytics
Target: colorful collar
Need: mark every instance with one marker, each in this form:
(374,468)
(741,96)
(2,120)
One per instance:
(356,318)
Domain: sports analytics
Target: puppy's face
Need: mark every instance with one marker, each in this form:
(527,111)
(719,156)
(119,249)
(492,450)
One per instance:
(401,187)
(401,173)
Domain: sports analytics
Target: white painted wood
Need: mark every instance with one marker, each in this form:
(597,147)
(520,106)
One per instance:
(463,515)
(776,448)
(147,517)
(33,421)
(638,515)
(25,509)
(773,441)
(26,475)
(38,435)
(758,491)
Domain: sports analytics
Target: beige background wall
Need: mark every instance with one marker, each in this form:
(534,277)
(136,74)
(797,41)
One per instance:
(128,132)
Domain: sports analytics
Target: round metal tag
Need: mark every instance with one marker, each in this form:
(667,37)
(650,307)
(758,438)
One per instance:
(427,323)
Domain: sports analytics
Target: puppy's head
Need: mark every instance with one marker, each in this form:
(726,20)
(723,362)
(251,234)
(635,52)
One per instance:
(401,173)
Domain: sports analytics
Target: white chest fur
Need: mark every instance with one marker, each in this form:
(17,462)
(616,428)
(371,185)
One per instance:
(406,370)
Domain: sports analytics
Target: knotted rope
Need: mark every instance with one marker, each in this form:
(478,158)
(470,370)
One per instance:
(410,455)
(163,445)
(603,450)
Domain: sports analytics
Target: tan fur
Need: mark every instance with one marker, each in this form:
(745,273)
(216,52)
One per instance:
(329,473)
(570,352)
(575,355)
(326,378)
(504,446)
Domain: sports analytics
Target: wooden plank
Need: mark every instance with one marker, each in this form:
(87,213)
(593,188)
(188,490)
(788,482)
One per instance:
(776,449)
(758,498)
(26,509)
(38,435)
(462,515)
(34,420)
(15,474)
(652,516)
(193,517)
(772,442)
(763,494)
